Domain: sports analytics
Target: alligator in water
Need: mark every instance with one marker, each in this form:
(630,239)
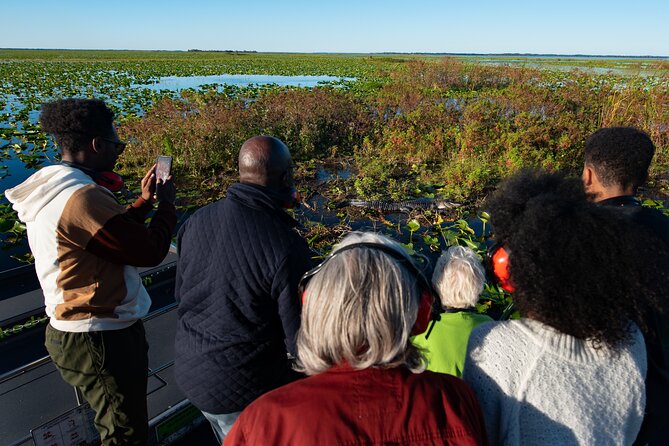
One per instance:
(422,204)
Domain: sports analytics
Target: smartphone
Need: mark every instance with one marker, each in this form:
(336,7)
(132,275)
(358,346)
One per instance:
(163,168)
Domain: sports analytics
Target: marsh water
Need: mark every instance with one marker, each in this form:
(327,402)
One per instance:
(14,170)
(177,83)
(22,156)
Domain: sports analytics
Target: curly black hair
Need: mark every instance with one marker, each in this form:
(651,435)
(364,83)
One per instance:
(581,268)
(73,122)
(620,156)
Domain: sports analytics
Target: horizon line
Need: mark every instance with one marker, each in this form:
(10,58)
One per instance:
(418,53)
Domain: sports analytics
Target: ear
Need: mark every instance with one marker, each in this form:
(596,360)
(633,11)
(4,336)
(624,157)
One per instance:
(588,176)
(287,181)
(96,144)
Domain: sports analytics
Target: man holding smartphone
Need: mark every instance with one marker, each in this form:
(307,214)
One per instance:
(239,265)
(87,247)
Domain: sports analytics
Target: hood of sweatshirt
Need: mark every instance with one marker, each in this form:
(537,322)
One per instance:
(31,196)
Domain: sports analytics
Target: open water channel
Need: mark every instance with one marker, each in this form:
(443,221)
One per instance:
(14,170)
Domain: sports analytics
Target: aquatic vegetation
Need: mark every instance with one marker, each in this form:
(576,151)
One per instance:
(406,126)
(472,125)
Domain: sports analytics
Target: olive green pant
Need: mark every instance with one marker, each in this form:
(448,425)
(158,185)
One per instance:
(110,369)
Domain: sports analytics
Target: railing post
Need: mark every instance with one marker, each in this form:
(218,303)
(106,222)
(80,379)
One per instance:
(79,396)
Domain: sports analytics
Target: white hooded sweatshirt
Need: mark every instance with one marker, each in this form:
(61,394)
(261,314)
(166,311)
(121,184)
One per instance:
(63,209)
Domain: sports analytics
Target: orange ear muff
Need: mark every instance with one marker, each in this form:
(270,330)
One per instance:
(428,310)
(499,258)
(302,286)
(109,180)
(294,200)
(424,315)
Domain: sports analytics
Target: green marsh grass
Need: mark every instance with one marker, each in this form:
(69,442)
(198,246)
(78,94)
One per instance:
(407,126)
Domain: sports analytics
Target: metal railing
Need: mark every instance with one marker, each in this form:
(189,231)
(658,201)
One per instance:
(46,359)
(26,368)
(79,399)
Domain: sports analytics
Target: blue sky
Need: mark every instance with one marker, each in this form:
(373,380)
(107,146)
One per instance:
(556,27)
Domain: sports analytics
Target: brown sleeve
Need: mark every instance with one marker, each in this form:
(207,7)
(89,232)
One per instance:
(139,210)
(125,239)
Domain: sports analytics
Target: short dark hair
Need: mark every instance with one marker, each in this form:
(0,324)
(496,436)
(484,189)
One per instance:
(620,155)
(73,122)
(573,263)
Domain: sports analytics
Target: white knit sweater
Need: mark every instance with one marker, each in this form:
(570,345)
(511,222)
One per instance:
(538,386)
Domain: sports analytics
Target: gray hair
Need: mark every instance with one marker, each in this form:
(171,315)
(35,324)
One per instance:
(360,309)
(458,277)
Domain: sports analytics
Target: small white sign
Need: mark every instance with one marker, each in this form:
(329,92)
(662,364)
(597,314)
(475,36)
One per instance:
(73,428)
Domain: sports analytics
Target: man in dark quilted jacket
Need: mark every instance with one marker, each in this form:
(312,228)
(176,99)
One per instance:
(240,261)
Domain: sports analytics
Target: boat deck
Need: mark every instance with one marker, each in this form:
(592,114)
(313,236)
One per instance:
(33,395)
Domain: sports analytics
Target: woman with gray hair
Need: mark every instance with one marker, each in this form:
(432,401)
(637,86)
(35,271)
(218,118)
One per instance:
(458,278)
(366,382)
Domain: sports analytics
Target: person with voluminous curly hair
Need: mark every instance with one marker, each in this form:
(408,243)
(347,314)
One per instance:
(366,382)
(458,278)
(572,369)
(73,122)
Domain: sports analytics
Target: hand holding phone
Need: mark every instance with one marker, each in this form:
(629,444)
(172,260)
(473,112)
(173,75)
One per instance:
(165,190)
(163,168)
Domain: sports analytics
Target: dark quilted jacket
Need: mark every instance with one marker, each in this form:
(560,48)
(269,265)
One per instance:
(239,265)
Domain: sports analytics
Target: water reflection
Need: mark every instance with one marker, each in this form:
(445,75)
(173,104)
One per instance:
(176,83)
(627,69)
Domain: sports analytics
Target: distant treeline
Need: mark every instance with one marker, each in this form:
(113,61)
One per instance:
(195,50)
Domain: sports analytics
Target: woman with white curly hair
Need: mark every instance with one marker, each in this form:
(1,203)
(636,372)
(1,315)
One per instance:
(366,382)
(458,278)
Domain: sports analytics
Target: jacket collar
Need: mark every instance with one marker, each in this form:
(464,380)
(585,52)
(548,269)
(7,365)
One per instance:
(622,201)
(345,367)
(261,198)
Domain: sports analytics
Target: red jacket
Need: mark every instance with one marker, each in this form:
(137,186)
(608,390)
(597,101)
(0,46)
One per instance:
(364,407)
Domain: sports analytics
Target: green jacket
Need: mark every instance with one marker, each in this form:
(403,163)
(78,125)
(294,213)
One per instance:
(447,345)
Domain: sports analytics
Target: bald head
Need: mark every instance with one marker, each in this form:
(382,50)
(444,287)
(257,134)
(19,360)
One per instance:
(266,161)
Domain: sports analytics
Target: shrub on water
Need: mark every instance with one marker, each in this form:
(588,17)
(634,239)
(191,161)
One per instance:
(483,122)
(433,126)
(466,125)
(380,177)
(312,122)
(468,176)
(202,134)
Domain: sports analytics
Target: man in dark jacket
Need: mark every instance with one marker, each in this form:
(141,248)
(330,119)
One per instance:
(239,265)
(616,164)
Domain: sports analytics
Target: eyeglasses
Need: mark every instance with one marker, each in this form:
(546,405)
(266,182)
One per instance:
(119,145)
